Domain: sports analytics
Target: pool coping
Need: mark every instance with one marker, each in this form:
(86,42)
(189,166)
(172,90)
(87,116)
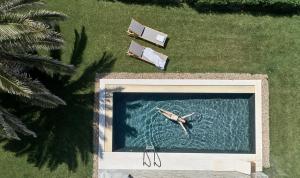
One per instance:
(203,76)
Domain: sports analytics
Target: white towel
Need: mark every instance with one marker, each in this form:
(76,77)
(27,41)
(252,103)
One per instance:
(160,38)
(154,58)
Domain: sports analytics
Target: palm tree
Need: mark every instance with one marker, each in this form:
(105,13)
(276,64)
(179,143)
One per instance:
(25,29)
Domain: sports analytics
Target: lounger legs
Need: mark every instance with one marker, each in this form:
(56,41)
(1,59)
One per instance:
(130,54)
(130,33)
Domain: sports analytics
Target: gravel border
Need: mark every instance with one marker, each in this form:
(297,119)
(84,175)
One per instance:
(220,76)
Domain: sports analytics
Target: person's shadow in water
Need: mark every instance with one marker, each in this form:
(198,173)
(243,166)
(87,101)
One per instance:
(188,124)
(64,134)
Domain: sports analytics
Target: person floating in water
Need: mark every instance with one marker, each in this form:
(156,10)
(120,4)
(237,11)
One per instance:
(176,118)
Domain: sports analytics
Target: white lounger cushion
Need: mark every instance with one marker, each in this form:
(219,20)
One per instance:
(151,35)
(154,58)
(147,33)
(147,54)
(161,38)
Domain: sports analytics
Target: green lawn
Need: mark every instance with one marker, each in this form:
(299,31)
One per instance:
(198,43)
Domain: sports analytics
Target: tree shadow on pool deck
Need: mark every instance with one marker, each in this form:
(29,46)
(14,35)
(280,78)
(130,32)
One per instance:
(64,133)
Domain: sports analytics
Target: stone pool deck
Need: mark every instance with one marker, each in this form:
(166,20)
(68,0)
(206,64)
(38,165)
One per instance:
(219,76)
(171,174)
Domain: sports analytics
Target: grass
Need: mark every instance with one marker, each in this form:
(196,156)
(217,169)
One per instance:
(199,42)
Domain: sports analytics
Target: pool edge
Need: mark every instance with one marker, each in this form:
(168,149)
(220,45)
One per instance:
(203,76)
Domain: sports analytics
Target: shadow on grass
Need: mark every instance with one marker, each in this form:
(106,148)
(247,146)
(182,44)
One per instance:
(162,3)
(275,9)
(66,131)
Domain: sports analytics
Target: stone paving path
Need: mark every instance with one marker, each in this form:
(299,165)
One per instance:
(168,174)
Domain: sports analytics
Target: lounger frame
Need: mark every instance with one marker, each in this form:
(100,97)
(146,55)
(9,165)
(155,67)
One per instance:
(162,56)
(149,35)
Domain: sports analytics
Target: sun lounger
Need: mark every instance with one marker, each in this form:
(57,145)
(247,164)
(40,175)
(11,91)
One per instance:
(147,55)
(136,29)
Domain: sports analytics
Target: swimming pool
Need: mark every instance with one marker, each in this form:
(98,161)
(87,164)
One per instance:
(222,122)
(227,132)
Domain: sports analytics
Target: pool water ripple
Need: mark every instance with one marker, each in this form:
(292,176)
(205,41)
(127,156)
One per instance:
(221,122)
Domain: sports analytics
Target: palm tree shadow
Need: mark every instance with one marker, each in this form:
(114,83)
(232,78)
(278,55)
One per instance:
(79,46)
(64,133)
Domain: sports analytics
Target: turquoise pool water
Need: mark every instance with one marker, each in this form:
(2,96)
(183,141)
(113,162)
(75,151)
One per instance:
(222,123)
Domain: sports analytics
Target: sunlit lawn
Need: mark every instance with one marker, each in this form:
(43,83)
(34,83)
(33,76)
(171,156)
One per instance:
(198,43)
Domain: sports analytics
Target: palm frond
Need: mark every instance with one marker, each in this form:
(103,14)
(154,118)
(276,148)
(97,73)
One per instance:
(24,36)
(10,124)
(22,33)
(42,63)
(11,30)
(47,44)
(11,84)
(36,16)
(28,37)
(44,100)
(10,25)
(23,47)
(12,5)
(41,96)
(44,15)
(8,131)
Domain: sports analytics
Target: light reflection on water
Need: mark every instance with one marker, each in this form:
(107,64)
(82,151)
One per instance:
(221,123)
